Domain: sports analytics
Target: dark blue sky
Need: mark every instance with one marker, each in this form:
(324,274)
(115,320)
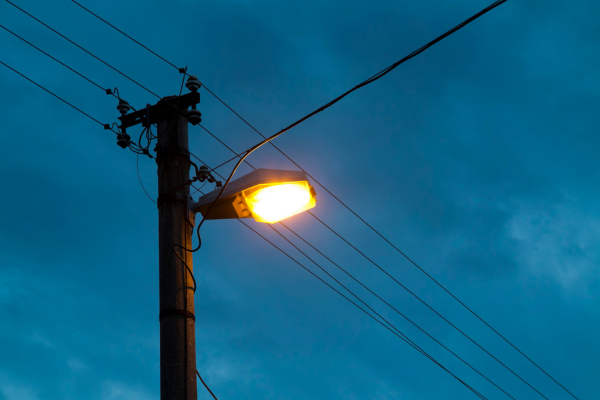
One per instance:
(478,159)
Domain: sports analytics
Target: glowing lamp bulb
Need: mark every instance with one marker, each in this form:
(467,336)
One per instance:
(273,203)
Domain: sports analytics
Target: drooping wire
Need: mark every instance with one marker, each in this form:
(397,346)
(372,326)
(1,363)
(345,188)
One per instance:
(137,165)
(205,385)
(428,306)
(387,70)
(59,98)
(395,280)
(389,305)
(191,274)
(410,343)
(373,78)
(379,298)
(123,33)
(72,42)
(377,76)
(58,61)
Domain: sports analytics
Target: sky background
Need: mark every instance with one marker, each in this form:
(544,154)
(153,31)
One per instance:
(478,159)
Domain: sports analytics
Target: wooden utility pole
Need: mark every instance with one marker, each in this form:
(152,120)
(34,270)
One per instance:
(175,223)
(177,321)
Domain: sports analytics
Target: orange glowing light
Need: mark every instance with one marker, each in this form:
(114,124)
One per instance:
(274,202)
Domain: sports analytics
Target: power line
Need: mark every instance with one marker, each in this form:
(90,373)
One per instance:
(378,297)
(107,91)
(137,165)
(373,78)
(381,73)
(395,280)
(376,294)
(393,329)
(372,310)
(375,230)
(60,98)
(58,61)
(386,303)
(410,343)
(205,385)
(428,306)
(250,228)
(72,42)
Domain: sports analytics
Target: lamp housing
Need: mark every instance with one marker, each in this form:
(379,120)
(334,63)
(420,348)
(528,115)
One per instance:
(267,195)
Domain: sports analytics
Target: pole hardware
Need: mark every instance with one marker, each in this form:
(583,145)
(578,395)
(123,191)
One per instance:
(164,107)
(123,106)
(193,115)
(204,174)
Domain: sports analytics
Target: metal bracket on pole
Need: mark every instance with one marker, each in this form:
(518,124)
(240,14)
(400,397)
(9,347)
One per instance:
(167,105)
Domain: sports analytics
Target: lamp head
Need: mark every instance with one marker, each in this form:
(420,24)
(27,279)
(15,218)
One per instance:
(267,195)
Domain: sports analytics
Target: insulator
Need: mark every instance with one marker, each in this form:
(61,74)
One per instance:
(194,117)
(123,140)
(123,106)
(193,84)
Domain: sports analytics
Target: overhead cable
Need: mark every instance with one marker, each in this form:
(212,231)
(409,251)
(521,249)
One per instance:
(374,77)
(410,343)
(395,280)
(72,42)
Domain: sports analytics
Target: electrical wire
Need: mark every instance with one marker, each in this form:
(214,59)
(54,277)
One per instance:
(385,71)
(137,165)
(410,343)
(382,300)
(376,313)
(58,61)
(395,280)
(373,78)
(60,98)
(375,230)
(188,269)
(72,42)
(389,305)
(428,306)
(206,386)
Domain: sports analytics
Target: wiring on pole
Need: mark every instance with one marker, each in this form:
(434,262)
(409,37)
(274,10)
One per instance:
(375,77)
(400,284)
(385,302)
(205,385)
(137,165)
(384,322)
(241,159)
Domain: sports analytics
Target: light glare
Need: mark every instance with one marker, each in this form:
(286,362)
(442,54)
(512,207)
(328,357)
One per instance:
(274,203)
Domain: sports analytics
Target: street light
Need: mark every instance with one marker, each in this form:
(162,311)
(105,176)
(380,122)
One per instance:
(267,195)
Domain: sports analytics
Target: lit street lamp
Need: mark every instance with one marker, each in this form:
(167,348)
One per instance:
(267,195)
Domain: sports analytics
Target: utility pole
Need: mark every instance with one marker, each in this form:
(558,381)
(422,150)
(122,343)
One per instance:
(176,223)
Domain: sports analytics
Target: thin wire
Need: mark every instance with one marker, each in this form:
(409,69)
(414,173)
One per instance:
(120,31)
(412,344)
(383,72)
(373,78)
(137,164)
(378,297)
(428,306)
(388,241)
(58,61)
(401,285)
(58,97)
(375,312)
(97,58)
(368,290)
(204,383)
